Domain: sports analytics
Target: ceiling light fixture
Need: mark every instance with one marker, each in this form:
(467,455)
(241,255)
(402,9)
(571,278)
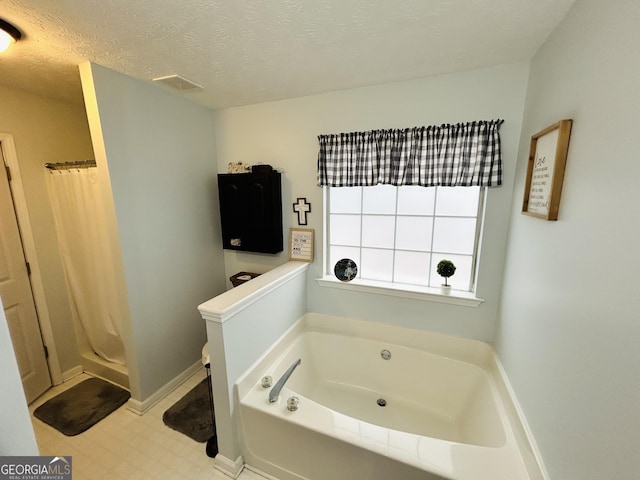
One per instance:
(8,35)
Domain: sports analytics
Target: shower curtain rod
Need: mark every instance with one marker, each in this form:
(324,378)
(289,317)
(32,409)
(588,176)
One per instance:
(76,164)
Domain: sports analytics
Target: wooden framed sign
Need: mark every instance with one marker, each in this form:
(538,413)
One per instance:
(545,171)
(301,244)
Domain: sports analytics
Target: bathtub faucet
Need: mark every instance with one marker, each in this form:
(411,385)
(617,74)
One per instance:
(275,391)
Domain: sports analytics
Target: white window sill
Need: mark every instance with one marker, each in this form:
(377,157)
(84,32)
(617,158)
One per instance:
(456,297)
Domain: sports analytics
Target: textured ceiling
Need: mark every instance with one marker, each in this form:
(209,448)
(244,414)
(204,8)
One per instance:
(251,51)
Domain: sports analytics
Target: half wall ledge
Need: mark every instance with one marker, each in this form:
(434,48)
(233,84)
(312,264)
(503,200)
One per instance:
(242,324)
(226,305)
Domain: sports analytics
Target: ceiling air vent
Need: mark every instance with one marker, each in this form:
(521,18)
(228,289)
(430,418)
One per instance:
(179,83)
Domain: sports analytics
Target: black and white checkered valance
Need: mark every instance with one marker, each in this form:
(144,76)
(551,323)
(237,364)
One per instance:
(465,154)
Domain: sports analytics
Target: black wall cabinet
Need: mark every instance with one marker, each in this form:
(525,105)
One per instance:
(251,211)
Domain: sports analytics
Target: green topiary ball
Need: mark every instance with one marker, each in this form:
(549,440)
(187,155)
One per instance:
(446,268)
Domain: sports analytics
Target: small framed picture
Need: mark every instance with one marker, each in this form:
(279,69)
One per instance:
(301,244)
(545,171)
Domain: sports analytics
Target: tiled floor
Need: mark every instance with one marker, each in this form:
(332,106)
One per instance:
(126,446)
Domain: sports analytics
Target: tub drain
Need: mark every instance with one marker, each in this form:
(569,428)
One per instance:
(382,402)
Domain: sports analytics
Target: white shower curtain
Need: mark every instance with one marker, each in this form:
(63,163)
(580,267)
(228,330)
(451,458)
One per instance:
(79,216)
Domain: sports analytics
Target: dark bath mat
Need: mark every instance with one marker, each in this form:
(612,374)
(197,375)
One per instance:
(82,406)
(191,415)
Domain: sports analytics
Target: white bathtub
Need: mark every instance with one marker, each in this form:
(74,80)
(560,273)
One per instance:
(448,414)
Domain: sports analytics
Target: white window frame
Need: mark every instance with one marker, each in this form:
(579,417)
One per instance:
(458,297)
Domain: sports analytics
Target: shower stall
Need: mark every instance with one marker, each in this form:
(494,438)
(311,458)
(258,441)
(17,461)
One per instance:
(79,213)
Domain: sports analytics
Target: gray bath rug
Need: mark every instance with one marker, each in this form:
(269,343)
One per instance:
(82,406)
(191,415)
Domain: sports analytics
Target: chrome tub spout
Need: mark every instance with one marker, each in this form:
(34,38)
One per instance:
(275,391)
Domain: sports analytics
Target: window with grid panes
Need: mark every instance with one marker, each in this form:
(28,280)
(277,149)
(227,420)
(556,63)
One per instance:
(399,234)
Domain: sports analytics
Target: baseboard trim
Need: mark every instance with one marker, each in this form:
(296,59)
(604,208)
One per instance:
(72,372)
(141,407)
(229,467)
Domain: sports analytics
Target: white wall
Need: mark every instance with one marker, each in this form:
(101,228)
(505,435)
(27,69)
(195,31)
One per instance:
(570,322)
(14,414)
(161,160)
(242,324)
(46,130)
(284,134)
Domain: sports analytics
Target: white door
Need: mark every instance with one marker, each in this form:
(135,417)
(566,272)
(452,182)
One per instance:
(17,298)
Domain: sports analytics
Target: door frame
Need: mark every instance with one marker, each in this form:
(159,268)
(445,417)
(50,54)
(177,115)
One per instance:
(28,244)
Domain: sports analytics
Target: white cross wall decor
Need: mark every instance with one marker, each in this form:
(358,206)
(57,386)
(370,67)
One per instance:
(301,207)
